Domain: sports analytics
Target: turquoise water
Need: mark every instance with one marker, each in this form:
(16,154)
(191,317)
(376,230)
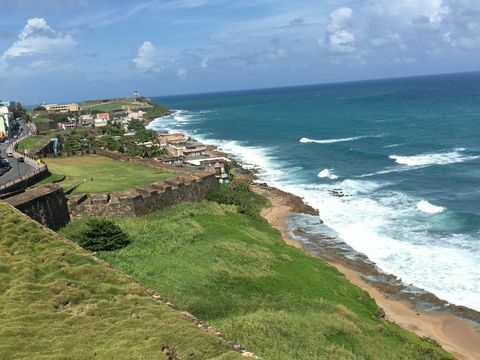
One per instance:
(406,151)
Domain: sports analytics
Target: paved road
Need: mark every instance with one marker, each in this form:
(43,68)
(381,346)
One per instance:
(18,168)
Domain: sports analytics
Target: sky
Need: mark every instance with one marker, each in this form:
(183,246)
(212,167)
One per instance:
(73,50)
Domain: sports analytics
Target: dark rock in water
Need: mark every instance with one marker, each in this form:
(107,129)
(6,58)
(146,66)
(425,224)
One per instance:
(298,232)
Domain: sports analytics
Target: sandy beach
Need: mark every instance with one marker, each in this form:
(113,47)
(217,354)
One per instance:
(458,336)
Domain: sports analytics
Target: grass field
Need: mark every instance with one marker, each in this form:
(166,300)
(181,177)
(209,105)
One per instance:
(40,120)
(235,272)
(112,106)
(100,174)
(34,143)
(56,302)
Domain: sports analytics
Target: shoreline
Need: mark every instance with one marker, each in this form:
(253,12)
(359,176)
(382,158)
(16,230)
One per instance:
(455,334)
(455,328)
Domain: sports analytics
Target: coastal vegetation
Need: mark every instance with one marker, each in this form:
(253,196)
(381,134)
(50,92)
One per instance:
(155,112)
(235,272)
(113,105)
(100,174)
(57,301)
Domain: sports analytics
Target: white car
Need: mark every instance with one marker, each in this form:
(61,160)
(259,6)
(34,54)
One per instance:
(9,154)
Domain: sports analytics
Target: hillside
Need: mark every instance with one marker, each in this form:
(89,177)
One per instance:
(56,301)
(235,272)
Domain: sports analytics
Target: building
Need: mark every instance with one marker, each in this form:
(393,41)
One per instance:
(5,120)
(135,115)
(86,120)
(187,149)
(62,107)
(103,116)
(100,122)
(166,138)
(69,125)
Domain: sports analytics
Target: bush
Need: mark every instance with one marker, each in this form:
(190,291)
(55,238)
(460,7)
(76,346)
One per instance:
(101,235)
(247,202)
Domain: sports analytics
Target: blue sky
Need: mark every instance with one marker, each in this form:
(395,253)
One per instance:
(71,50)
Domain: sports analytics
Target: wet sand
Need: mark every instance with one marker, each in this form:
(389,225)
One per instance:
(456,335)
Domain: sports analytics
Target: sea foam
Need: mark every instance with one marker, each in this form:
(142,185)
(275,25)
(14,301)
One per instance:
(445,158)
(327,173)
(428,208)
(382,224)
(305,140)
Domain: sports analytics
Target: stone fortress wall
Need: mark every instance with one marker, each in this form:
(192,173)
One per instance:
(143,200)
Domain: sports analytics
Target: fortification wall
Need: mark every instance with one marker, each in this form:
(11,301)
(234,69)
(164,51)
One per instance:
(143,200)
(45,204)
(156,164)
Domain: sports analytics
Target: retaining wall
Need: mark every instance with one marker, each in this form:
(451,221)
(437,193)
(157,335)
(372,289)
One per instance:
(45,204)
(143,200)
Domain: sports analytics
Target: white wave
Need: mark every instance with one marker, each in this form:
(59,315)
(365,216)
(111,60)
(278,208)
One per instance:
(379,224)
(392,145)
(327,173)
(428,208)
(445,158)
(305,140)
(374,222)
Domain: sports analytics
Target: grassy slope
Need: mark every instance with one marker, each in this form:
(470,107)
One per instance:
(235,272)
(112,106)
(57,302)
(34,143)
(108,175)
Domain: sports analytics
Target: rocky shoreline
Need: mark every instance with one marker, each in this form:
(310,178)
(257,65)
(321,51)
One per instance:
(456,328)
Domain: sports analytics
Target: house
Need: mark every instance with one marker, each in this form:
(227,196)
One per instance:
(103,116)
(5,119)
(187,149)
(177,161)
(170,138)
(62,108)
(86,120)
(135,115)
(67,125)
(100,122)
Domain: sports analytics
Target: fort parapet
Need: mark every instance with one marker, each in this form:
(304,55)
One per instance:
(143,200)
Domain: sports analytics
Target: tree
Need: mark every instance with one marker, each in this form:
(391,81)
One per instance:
(39,108)
(102,235)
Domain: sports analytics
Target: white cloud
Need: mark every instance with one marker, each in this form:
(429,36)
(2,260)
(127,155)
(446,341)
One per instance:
(339,37)
(146,59)
(37,37)
(182,74)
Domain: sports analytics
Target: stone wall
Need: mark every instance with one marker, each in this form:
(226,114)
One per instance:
(156,164)
(143,200)
(45,204)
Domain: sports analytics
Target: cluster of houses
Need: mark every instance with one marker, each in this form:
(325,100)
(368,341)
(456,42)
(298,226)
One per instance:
(181,150)
(186,152)
(6,118)
(97,120)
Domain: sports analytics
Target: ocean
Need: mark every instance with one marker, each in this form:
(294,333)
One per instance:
(405,153)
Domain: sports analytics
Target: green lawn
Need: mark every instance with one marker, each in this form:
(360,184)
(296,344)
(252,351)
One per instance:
(112,106)
(40,120)
(34,143)
(57,302)
(235,272)
(100,174)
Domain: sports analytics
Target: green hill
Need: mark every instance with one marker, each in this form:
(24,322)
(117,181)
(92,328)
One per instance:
(235,272)
(56,301)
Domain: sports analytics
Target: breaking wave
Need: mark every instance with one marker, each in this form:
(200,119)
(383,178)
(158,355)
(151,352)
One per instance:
(327,173)
(451,157)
